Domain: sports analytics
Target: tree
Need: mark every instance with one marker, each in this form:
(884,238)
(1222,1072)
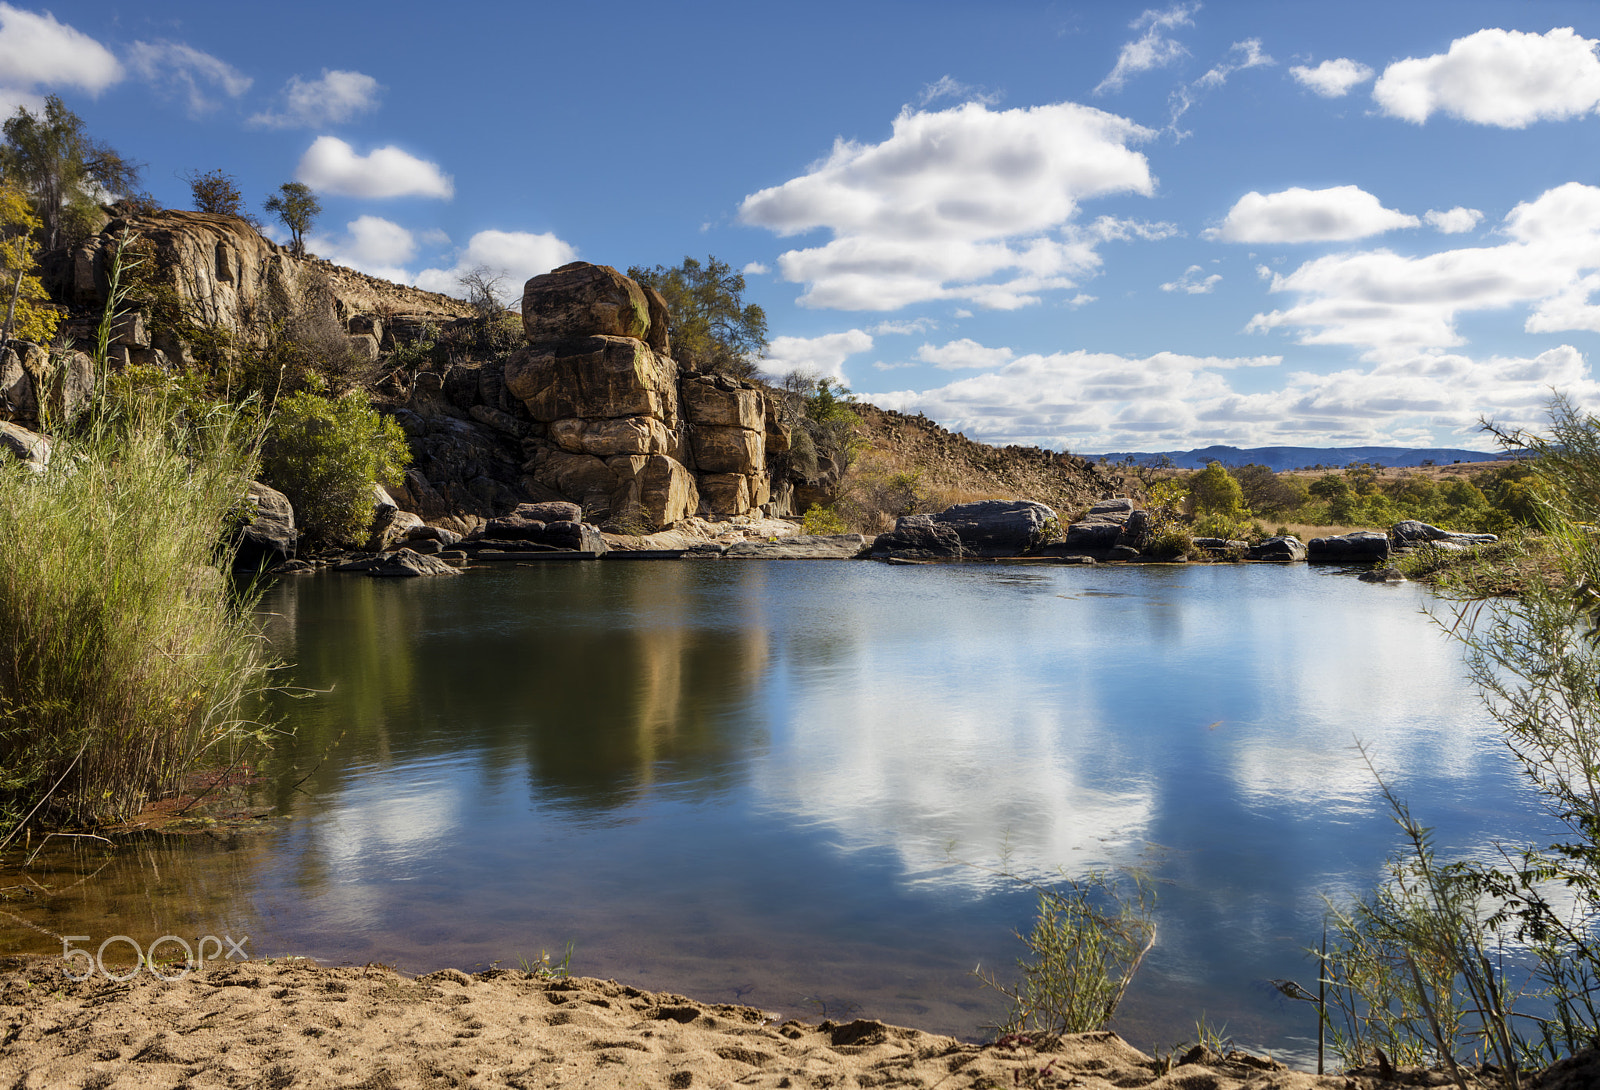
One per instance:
(65,173)
(29,314)
(485,290)
(712,328)
(298,208)
(1215,492)
(218,193)
(326,454)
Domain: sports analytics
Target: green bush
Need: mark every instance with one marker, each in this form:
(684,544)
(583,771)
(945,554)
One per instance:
(1171,543)
(823,519)
(125,654)
(326,454)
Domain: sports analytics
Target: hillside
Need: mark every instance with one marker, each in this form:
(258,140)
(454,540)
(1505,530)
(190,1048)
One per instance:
(1279,459)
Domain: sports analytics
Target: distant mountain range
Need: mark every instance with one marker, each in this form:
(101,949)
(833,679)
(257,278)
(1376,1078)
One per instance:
(1281,458)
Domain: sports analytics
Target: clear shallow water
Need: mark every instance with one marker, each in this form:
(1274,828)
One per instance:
(748,781)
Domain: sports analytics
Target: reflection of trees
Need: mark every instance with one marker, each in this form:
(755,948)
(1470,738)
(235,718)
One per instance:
(603,677)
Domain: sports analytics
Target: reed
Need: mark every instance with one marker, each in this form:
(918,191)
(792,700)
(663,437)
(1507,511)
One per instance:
(126,652)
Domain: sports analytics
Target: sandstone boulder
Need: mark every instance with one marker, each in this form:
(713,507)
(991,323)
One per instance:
(802,547)
(593,377)
(16,386)
(397,528)
(1411,533)
(269,537)
(918,537)
(998,527)
(1285,549)
(1101,527)
(1361,547)
(718,400)
(584,300)
(727,450)
(408,563)
(620,435)
(19,442)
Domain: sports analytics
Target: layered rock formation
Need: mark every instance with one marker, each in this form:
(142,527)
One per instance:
(615,426)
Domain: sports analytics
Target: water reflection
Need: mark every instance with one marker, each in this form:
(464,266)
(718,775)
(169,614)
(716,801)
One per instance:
(748,780)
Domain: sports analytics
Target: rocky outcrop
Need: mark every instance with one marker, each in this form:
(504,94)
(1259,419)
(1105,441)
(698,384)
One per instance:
(998,527)
(37,384)
(19,442)
(612,423)
(918,537)
(802,547)
(1361,547)
(229,277)
(1101,528)
(407,563)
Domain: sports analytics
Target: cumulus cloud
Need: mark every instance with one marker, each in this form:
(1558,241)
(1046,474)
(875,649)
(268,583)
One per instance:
(963,354)
(332,166)
(1507,78)
(1092,401)
(334,98)
(37,51)
(515,255)
(822,356)
(965,204)
(376,246)
(1338,214)
(1194,282)
(175,68)
(1332,79)
(1453,222)
(1393,304)
(1153,48)
(755,268)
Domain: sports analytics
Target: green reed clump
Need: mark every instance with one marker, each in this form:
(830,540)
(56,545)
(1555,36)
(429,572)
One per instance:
(1087,942)
(126,654)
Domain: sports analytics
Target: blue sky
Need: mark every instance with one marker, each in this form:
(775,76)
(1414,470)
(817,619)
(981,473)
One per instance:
(1086,226)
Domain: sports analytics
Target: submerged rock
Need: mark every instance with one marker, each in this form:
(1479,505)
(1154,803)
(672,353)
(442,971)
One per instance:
(408,563)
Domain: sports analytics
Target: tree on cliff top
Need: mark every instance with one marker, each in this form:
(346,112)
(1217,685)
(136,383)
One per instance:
(713,329)
(298,208)
(66,174)
(216,192)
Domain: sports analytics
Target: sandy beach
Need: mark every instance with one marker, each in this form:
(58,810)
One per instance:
(288,1023)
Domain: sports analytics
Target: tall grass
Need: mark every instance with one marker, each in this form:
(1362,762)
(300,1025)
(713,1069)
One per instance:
(125,652)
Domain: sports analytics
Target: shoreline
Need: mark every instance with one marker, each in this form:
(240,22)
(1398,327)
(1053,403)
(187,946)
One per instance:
(287,1022)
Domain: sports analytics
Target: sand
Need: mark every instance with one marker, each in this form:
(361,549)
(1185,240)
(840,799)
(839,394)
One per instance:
(287,1023)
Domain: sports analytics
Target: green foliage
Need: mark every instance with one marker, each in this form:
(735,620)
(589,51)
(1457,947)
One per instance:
(64,171)
(1269,493)
(326,454)
(1213,491)
(1087,942)
(822,519)
(29,315)
(1170,543)
(713,328)
(297,208)
(217,192)
(125,653)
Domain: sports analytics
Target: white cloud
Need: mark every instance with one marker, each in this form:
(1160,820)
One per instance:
(1453,222)
(332,166)
(822,356)
(755,268)
(1392,304)
(1089,401)
(516,255)
(1332,79)
(1338,214)
(1507,78)
(37,51)
(963,354)
(374,245)
(1153,49)
(338,96)
(177,68)
(963,204)
(1242,55)
(904,326)
(1193,282)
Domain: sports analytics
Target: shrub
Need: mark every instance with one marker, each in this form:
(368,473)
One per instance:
(1087,942)
(823,519)
(326,455)
(1170,543)
(1213,491)
(125,655)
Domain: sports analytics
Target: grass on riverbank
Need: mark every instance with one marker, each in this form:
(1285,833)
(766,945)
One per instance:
(125,654)
(1514,565)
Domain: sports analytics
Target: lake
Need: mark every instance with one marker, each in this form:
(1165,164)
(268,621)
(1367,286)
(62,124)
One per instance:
(788,784)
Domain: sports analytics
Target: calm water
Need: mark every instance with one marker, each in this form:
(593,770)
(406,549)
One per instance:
(748,781)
